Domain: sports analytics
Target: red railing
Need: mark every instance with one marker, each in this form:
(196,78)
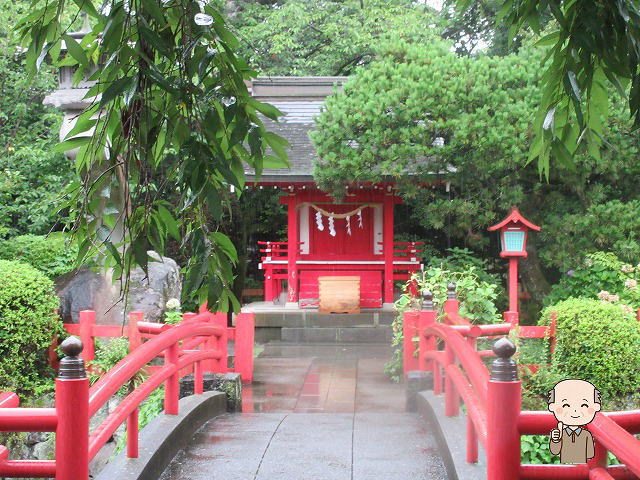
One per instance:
(196,344)
(137,331)
(275,250)
(493,401)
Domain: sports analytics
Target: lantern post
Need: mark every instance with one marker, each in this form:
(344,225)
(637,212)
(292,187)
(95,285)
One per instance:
(513,238)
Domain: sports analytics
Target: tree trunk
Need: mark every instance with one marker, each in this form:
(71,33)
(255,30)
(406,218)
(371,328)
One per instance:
(532,276)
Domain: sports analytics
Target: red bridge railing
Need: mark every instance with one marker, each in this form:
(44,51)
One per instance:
(196,344)
(493,401)
(138,330)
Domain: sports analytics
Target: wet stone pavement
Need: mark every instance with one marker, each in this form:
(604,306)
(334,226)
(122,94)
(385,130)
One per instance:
(315,413)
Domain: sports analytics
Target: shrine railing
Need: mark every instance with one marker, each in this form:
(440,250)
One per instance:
(493,402)
(274,250)
(193,342)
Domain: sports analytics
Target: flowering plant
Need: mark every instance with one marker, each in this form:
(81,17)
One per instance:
(602,275)
(172,313)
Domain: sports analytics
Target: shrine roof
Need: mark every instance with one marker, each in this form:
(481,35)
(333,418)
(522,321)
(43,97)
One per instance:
(300,100)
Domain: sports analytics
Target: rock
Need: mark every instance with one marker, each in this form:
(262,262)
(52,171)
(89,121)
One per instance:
(89,290)
(45,450)
(36,437)
(229,383)
(150,295)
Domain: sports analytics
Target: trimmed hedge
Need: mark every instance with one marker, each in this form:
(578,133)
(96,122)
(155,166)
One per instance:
(51,255)
(28,323)
(599,342)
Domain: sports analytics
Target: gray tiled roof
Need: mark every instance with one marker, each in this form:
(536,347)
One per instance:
(295,125)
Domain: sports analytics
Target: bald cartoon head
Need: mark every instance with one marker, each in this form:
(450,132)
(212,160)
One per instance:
(574,402)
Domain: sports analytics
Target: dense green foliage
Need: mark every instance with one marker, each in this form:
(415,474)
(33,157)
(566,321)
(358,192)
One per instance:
(175,116)
(107,354)
(28,324)
(590,43)
(467,121)
(324,37)
(597,341)
(475,290)
(31,174)
(51,255)
(600,275)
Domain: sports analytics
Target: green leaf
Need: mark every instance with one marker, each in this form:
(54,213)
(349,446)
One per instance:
(124,86)
(226,245)
(169,221)
(75,50)
(71,144)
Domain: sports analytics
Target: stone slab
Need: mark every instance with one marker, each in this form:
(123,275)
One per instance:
(163,437)
(381,334)
(451,434)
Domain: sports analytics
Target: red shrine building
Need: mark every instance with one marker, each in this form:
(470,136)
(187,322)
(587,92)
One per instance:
(353,239)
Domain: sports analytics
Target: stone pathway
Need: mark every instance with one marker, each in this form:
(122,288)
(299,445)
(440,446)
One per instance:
(315,413)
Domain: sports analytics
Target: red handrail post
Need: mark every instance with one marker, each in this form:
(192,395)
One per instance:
(503,411)
(72,410)
(220,343)
(451,398)
(511,317)
(426,344)
(245,332)
(132,434)
(134,333)
(600,458)
(451,304)
(410,321)
(198,381)
(87,320)
(172,384)
(472,441)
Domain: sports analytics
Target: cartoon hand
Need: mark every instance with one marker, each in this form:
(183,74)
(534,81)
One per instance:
(556,433)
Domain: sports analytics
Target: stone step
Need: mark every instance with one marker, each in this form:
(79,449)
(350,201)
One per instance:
(314,319)
(367,334)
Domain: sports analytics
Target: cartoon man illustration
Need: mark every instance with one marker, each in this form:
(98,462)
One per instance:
(574,404)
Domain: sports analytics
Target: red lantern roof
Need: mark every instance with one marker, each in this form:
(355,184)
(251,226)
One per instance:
(515,217)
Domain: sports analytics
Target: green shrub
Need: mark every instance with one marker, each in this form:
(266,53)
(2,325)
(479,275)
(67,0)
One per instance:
(599,342)
(51,255)
(600,272)
(28,323)
(477,302)
(108,354)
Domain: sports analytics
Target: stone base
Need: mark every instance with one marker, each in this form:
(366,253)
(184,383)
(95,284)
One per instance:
(417,381)
(228,383)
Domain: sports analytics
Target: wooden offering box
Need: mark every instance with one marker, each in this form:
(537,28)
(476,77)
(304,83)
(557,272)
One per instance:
(339,294)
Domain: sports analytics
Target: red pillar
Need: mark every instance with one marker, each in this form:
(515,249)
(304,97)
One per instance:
(220,343)
(172,384)
(292,250)
(72,410)
(388,247)
(410,320)
(244,346)
(135,340)
(513,284)
(87,320)
(451,398)
(503,411)
(132,434)
(426,344)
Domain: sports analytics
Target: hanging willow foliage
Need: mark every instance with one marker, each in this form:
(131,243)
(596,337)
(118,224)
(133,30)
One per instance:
(171,114)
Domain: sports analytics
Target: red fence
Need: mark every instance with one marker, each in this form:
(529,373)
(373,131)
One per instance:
(494,416)
(137,331)
(198,344)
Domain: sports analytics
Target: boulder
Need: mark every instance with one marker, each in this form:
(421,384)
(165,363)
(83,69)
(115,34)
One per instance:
(86,289)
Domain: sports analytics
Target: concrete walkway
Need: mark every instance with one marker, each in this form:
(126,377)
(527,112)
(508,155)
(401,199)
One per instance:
(315,413)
